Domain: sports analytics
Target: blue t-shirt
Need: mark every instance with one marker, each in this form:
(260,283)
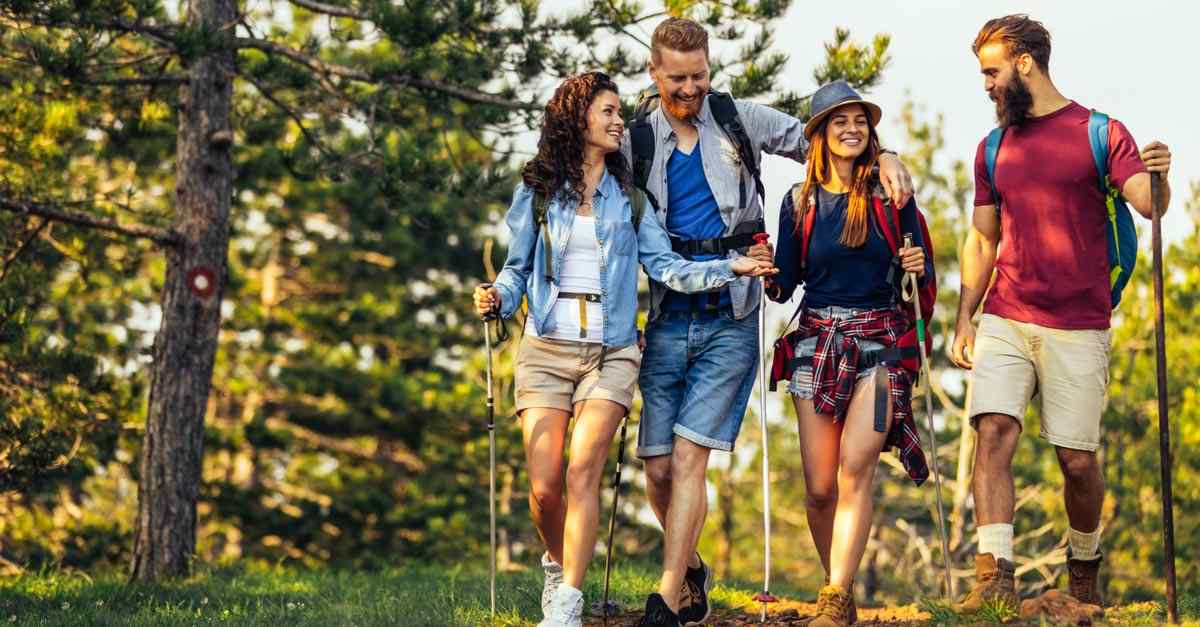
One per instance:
(837,274)
(692,213)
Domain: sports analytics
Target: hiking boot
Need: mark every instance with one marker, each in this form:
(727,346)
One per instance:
(554,577)
(696,584)
(658,614)
(565,608)
(833,607)
(994,581)
(853,605)
(1083,579)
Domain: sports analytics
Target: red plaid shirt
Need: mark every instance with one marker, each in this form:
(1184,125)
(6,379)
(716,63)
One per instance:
(835,370)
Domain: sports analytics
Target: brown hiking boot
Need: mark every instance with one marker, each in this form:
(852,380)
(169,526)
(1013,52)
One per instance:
(993,582)
(853,605)
(833,607)
(1083,579)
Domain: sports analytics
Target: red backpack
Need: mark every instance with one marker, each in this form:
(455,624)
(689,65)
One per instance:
(887,217)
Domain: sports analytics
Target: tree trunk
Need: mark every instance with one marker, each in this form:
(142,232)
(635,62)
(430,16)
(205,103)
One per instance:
(186,344)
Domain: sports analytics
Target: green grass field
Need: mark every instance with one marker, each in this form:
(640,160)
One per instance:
(253,594)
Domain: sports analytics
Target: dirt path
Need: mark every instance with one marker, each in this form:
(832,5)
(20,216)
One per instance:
(787,613)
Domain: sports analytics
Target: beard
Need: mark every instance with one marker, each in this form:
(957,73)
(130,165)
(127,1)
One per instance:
(680,110)
(1012,103)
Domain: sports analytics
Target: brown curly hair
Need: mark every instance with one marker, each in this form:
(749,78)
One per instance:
(559,157)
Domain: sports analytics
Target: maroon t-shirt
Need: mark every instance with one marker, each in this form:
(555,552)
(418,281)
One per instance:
(1052,268)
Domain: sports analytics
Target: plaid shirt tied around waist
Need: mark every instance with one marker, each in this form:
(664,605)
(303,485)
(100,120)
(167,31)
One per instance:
(835,371)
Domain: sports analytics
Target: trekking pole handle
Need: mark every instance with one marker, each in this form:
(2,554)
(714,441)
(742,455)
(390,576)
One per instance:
(494,313)
(762,238)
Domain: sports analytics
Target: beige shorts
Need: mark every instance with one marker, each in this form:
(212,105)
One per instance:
(560,373)
(1067,368)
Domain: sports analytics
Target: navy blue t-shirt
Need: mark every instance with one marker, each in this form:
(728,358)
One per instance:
(838,274)
(692,213)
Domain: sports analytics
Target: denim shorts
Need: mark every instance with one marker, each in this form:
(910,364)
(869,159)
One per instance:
(697,373)
(801,384)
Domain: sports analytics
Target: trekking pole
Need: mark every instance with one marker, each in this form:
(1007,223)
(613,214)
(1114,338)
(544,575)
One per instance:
(1164,423)
(612,517)
(764,597)
(912,292)
(491,428)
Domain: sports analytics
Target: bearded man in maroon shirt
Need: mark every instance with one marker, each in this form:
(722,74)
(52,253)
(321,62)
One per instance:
(1045,324)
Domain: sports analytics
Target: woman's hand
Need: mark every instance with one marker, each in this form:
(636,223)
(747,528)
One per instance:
(487,300)
(912,259)
(749,266)
(762,252)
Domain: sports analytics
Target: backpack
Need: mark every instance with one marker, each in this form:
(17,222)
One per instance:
(887,217)
(724,110)
(1121,234)
(541,206)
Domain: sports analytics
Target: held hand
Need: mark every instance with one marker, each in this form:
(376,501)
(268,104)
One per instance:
(762,252)
(487,300)
(1157,157)
(912,259)
(747,266)
(897,184)
(962,352)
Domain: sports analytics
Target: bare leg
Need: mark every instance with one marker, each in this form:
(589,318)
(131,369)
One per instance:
(545,431)
(595,424)
(685,517)
(820,448)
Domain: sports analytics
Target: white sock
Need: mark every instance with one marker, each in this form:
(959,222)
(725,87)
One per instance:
(1084,546)
(996,539)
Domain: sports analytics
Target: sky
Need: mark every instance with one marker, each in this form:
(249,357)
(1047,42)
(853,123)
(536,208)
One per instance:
(1127,59)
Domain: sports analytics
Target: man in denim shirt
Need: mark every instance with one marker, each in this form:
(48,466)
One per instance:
(701,353)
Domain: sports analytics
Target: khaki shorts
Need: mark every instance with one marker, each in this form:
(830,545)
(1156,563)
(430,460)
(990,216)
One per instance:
(560,373)
(1068,368)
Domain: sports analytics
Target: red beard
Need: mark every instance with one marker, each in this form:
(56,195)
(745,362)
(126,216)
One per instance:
(680,110)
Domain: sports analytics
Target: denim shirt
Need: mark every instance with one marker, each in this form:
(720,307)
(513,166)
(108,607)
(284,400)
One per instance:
(621,249)
(769,131)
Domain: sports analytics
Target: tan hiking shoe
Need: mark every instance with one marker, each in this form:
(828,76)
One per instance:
(833,607)
(1083,579)
(853,605)
(993,582)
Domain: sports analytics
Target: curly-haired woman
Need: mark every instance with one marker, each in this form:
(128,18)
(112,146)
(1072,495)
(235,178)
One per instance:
(576,244)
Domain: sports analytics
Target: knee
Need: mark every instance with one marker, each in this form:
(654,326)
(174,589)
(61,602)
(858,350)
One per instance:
(855,473)
(821,496)
(1078,465)
(658,473)
(996,431)
(688,459)
(546,495)
(584,475)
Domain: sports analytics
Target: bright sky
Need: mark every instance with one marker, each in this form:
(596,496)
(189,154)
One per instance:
(1127,59)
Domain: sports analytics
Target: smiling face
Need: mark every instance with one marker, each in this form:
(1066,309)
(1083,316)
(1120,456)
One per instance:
(682,80)
(604,123)
(847,130)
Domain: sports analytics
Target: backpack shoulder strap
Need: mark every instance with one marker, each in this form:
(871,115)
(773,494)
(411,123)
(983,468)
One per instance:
(637,205)
(888,219)
(541,206)
(1098,138)
(991,150)
(806,226)
(724,110)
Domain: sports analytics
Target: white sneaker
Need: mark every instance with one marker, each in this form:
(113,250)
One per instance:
(554,577)
(566,608)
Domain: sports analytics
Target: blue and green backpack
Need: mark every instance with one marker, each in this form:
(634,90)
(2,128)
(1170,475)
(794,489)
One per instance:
(1121,235)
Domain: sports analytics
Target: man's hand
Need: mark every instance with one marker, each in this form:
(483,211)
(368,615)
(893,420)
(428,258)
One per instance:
(962,351)
(897,184)
(1157,157)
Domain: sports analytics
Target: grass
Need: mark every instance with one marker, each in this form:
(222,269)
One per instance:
(257,594)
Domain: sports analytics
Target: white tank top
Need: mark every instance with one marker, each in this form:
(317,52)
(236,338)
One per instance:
(580,274)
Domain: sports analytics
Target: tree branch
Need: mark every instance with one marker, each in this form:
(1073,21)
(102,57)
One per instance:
(159,235)
(329,9)
(333,69)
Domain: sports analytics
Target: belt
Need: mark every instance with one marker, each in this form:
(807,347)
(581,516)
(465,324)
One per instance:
(584,299)
(719,245)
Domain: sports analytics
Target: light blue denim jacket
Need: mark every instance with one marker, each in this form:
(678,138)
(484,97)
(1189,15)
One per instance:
(621,249)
